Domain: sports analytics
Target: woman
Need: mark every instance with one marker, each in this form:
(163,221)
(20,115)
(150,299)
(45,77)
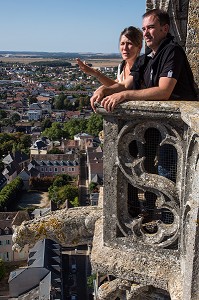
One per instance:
(130,45)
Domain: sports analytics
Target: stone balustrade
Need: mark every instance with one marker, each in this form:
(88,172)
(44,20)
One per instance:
(145,230)
(151,197)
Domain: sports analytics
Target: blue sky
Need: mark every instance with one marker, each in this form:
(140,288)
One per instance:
(67,25)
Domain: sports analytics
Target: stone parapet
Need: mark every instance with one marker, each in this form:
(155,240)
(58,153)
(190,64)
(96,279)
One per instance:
(151,203)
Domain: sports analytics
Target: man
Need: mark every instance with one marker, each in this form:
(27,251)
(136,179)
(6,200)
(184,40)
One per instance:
(165,72)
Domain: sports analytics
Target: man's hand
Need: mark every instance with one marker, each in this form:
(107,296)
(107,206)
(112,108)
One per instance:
(111,101)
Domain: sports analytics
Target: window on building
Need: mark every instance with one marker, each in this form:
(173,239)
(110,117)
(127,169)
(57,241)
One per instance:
(63,169)
(55,170)
(7,230)
(6,256)
(71,169)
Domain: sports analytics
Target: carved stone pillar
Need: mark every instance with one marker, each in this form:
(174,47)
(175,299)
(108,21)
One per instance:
(192,41)
(151,197)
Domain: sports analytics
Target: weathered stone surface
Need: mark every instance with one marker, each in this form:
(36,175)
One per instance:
(192,40)
(146,264)
(136,269)
(70,227)
(124,236)
(178,12)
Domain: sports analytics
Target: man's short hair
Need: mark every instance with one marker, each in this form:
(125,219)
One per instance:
(162,15)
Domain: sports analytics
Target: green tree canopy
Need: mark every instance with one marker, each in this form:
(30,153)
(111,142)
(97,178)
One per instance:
(55,150)
(61,180)
(74,126)
(19,140)
(92,186)
(75,202)
(47,123)
(15,118)
(3,114)
(68,192)
(2,269)
(95,124)
(55,132)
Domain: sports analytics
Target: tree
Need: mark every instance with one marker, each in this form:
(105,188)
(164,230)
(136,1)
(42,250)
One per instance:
(75,202)
(92,186)
(47,123)
(95,124)
(10,193)
(53,194)
(59,101)
(54,133)
(90,280)
(6,147)
(74,126)
(2,269)
(1,166)
(55,150)
(42,183)
(68,192)
(61,180)
(26,140)
(3,114)
(15,118)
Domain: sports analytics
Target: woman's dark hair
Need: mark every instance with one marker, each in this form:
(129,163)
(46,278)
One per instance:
(133,34)
(162,16)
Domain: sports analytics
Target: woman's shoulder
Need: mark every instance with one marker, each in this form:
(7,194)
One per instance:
(121,66)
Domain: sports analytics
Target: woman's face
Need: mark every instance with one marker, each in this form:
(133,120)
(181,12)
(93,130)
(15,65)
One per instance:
(128,49)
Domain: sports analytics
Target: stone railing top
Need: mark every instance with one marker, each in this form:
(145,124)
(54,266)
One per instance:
(188,111)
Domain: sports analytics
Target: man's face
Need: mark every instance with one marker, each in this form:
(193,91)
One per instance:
(153,32)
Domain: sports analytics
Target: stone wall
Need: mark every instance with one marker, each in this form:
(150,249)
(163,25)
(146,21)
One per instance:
(192,41)
(184,16)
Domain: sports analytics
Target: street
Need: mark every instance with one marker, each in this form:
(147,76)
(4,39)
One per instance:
(76,268)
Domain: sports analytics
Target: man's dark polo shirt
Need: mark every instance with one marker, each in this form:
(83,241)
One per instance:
(169,61)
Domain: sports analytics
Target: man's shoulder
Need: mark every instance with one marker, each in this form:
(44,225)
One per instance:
(142,60)
(173,46)
(140,65)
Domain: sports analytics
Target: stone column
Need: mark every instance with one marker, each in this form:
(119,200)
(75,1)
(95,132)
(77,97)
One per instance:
(192,41)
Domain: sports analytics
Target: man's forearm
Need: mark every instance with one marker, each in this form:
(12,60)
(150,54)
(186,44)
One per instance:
(153,93)
(161,92)
(115,88)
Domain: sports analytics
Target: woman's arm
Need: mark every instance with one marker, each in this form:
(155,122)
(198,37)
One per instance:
(103,79)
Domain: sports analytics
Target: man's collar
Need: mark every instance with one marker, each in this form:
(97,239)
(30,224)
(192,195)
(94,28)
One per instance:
(165,41)
(151,54)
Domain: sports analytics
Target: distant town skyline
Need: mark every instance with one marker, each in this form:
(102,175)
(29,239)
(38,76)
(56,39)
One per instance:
(67,26)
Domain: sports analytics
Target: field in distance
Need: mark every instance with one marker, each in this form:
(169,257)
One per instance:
(96,59)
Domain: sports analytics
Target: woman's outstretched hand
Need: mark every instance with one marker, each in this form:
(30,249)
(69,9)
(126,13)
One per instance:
(84,67)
